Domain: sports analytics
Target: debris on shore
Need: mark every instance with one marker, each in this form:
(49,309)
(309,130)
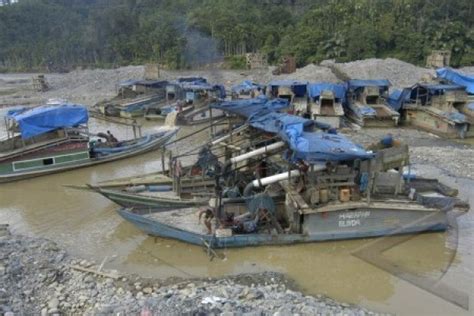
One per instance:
(39,278)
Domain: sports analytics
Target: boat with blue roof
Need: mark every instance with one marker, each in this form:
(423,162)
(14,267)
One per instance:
(367,105)
(55,138)
(327,188)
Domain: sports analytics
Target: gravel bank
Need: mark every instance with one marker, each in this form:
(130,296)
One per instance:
(399,73)
(37,278)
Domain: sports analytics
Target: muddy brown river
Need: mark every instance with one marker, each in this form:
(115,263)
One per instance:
(86,225)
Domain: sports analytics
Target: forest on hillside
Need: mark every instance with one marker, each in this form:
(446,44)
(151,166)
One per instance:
(57,34)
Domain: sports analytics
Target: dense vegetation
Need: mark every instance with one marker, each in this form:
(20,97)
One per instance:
(179,33)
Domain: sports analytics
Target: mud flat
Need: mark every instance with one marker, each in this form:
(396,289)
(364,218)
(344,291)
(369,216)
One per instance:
(39,278)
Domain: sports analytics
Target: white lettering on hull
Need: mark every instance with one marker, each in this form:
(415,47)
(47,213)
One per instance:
(352,219)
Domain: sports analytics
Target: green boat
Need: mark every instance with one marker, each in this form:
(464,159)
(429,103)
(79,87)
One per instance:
(55,138)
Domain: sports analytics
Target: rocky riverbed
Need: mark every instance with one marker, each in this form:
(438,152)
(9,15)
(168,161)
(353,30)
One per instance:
(39,278)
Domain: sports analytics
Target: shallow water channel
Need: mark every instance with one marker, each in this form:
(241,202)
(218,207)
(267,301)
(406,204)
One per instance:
(86,225)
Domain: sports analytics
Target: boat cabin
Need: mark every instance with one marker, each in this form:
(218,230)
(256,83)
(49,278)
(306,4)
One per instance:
(326,103)
(293,91)
(44,136)
(366,103)
(439,108)
(247,90)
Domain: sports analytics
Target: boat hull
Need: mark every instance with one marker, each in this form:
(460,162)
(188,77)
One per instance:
(337,225)
(126,199)
(152,144)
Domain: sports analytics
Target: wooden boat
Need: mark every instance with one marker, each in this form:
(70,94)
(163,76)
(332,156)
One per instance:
(366,104)
(329,202)
(356,220)
(326,101)
(133,98)
(440,109)
(51,139)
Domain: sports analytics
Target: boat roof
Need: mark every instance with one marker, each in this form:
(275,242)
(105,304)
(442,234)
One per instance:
(287,83)
(47,118)
(313,147)
(359,83)
(315,89)
(457,78)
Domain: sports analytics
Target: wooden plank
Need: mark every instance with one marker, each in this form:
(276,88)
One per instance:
(82,269)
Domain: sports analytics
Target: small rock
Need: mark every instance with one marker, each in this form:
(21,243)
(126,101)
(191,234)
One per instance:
(53,303)
(147,290)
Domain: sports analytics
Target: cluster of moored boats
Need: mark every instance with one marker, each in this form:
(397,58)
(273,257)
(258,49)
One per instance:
(443,105)
(275,170)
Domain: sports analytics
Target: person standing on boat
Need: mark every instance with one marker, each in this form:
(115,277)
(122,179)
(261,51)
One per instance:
(111,138)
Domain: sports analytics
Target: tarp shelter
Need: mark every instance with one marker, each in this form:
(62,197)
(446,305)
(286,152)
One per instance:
(312,147)
(196,80)
(358,83)
(398,97)
(248,107)
(315,90)
(145,83)
(457,78)
(47,118)
(299,88)
(246,86)
(424,91)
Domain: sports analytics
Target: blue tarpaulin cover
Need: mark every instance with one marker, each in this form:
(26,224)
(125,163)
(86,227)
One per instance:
(439,87)
(398,97)
(364,110)
(147,83)
(246,86)
(457,78)
(298,87)
(315,89)
(456,117)
(248,107)
(358,83)
(47,118)
(312,147)
(287,83)
(192,79)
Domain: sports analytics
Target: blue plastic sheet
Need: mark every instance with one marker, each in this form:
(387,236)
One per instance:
(246,86)
(398,97)
(48,118)
(358,83)
(249,107)
(433,88)
(315,90)
(365,110)
(456,117)
(313,147)
(320,147)
(299,88)
(457,78)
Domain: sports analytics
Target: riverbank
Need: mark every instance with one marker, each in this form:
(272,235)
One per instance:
(39,278)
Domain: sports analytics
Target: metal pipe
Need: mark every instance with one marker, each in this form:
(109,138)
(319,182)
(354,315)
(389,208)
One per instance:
(275,178)
(257,152)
